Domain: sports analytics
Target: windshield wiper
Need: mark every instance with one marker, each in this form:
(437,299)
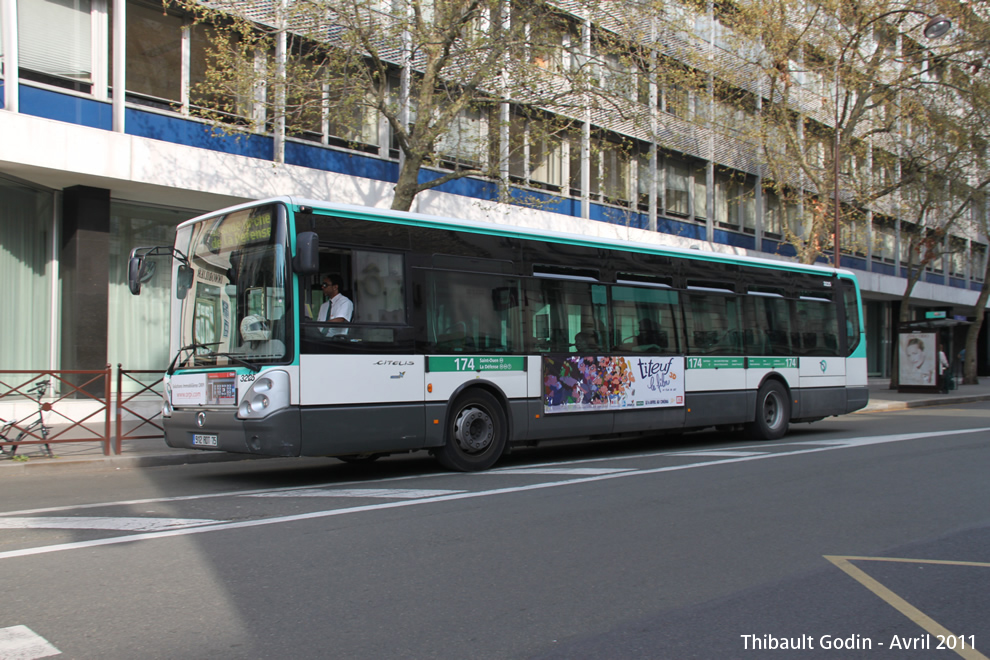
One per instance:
(233,358)
(187,347)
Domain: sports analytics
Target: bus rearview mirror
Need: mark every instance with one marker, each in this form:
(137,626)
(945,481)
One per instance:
(307,259)
(184,281)
(134,267)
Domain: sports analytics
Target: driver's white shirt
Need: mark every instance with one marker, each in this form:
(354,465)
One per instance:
(340,306)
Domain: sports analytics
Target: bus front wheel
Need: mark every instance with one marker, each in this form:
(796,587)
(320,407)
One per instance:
(477,433)
(773,412)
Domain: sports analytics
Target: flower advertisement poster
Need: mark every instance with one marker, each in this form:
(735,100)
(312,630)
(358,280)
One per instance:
(577,383)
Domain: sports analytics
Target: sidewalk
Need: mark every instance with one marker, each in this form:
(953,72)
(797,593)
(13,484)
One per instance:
(152,452)
(882,398)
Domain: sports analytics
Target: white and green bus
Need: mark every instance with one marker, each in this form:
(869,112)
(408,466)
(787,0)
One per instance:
(467,338)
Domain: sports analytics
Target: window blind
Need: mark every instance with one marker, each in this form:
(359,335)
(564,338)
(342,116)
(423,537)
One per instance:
(55,37)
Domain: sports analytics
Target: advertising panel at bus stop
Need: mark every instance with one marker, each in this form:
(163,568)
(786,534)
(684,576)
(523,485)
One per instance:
(918,362)
(577,383)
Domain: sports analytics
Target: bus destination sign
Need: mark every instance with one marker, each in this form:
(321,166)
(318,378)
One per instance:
(475,363)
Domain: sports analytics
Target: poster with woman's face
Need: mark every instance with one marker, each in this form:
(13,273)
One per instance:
(918,359)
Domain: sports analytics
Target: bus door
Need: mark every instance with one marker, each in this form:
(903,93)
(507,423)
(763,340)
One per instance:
(473,334)
(817,339)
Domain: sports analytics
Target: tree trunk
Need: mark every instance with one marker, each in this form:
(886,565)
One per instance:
(407,186)
(973,333)
(904,317)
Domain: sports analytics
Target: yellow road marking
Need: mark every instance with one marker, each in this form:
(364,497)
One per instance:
(907,609)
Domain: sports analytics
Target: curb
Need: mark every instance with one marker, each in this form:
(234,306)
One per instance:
(180,457)
(885,406)
(127,461)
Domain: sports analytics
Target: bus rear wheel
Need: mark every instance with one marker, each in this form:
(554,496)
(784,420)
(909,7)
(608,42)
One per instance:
(773,412)
(477,433)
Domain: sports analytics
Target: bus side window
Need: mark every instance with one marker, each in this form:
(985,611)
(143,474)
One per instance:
(852,317)
(818,327)
(645,319)
(472,313)
(567,317)
(712,323)
(378,287)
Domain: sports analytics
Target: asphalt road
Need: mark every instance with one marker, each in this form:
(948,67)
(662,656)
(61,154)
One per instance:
(859,537)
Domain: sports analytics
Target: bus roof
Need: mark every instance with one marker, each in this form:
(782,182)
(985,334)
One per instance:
(528,233)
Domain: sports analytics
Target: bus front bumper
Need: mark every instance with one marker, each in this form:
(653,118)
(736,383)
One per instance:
(221,430)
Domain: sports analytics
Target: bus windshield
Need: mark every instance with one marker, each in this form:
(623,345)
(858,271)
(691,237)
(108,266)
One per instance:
(232,309)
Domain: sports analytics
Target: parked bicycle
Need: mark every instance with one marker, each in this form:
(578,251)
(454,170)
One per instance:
(31,430)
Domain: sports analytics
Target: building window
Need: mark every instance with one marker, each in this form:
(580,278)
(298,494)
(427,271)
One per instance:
(735,201)
(884,241)
(536,152)
(957,257)
(701,192)
(67,24)
(154,53)
(678,180)
(978,262)
(774,214)
(465,139)
(210,94)
(610,165)
(909,240)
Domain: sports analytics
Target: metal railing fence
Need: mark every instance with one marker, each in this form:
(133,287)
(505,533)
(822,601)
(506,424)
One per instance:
(71,411)
(77,406)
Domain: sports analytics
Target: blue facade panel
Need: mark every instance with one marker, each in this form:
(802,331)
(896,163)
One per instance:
(667,225)
(65,107)
(318,157)
(465,186)
(779,247)
(957,282)
(544,201)
(734,239)
(179,130)
(616,216)
(854,263)
(886,269)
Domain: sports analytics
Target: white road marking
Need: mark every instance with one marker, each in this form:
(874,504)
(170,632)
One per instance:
(557,470)
(116,524)
(22,643)
(244,524)
(382,493)
(814,448)
(600,459)
(719,452)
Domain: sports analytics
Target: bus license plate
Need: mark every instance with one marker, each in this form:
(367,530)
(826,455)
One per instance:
(201,440)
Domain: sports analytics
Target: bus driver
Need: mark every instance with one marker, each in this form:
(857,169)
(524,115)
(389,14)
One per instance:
(338,308)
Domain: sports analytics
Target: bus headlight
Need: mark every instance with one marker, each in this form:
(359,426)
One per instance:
(167,399)
(267,394)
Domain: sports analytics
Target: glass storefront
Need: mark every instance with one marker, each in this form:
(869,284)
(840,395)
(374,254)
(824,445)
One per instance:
(878,332)
(138,325)
(27,271)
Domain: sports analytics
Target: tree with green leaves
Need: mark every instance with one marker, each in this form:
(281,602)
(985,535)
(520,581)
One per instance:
(868,113)
(466,87)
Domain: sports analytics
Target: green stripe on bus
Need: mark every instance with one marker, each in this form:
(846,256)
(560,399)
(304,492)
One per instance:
(773,363)
(716,362)
(476,363)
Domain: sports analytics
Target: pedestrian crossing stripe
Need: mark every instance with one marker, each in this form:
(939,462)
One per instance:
(724,453)
(379,493)
(91,522)
(22,643)
(564,471)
